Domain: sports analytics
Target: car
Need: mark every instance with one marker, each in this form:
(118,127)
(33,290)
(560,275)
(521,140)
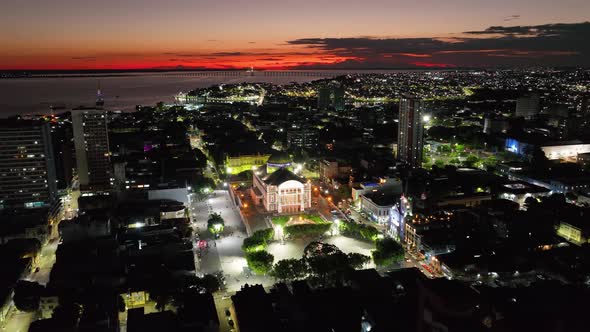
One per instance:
(227,312)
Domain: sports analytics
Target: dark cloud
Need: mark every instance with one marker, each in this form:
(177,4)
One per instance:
(511,18)
(549,44)
(85,58)
(230,54)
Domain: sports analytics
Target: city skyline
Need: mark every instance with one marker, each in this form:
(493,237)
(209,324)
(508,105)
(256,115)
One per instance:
(76,35)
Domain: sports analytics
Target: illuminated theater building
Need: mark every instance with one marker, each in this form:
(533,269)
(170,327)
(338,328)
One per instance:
(278,189)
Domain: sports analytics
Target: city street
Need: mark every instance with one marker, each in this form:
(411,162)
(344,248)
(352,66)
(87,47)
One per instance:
(224,254)
(18,320)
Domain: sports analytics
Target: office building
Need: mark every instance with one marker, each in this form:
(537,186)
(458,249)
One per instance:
(91,143)
(307,138)
(331,96)
(27,165)
(528,106)
(410,138)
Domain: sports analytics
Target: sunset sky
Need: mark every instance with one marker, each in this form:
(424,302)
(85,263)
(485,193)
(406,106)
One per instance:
(280,34)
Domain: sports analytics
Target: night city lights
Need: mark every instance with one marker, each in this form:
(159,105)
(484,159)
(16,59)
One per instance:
(329,166)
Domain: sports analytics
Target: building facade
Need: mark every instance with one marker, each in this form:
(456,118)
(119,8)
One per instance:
(528,106)
(91,142)
(307,138)
(27,166)
(238,163)
(410,138)
(280,190)
(331,96)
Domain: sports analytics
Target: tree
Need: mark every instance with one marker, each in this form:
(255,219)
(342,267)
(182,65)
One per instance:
(357,261)
(289,269)
(471,160)
(366,232)
(260,262)
(387,252)
(27,295)
(326,262)
(439,163)
(258,241)
(210,283)
(215,224)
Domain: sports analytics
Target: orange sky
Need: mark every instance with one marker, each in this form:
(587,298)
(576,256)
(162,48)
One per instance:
(121,34)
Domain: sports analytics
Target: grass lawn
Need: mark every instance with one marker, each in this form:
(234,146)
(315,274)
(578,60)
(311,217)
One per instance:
(283,220)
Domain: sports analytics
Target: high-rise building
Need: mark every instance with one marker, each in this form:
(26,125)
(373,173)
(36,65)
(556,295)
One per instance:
(528,106)
(323,98)
(91,142)
(331,96)
(307,138)
(338,98)
(410,136)
(584,103)
(27,165)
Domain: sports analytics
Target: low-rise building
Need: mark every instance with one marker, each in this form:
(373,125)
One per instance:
(519,191)
(378,204)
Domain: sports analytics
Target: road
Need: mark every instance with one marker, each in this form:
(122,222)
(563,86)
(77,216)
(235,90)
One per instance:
(20,321)
(224,254)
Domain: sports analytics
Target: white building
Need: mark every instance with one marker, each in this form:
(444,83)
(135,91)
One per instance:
(567,150)
(278,189)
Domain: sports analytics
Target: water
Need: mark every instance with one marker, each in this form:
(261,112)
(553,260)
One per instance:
(120,91)
(123,91)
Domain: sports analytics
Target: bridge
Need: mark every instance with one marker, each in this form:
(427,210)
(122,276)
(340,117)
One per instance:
(208,73)
(234,73)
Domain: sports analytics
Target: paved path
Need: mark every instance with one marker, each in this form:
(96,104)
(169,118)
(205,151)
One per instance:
(224,254)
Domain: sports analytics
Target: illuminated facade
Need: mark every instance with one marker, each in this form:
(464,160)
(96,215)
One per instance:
(572,233)
(280,190)
(27,167)
(91,141)
(235,164)
(410,137)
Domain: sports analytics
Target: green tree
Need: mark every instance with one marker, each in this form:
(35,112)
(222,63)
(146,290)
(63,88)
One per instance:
(326,262)
(289,269)
(439,163)
(471,160)
(258,241)
(357,261)
(260,262)
(215,224)
(387,252)
(490,161)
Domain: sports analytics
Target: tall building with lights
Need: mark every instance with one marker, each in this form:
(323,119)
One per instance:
(410,135)
(331,96)
(528,106)
(27,165)
(91,142)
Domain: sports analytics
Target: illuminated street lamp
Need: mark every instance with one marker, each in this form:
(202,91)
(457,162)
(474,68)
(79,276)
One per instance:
(280,234)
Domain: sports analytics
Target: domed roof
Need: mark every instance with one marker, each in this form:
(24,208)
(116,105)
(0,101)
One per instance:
(280,158)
